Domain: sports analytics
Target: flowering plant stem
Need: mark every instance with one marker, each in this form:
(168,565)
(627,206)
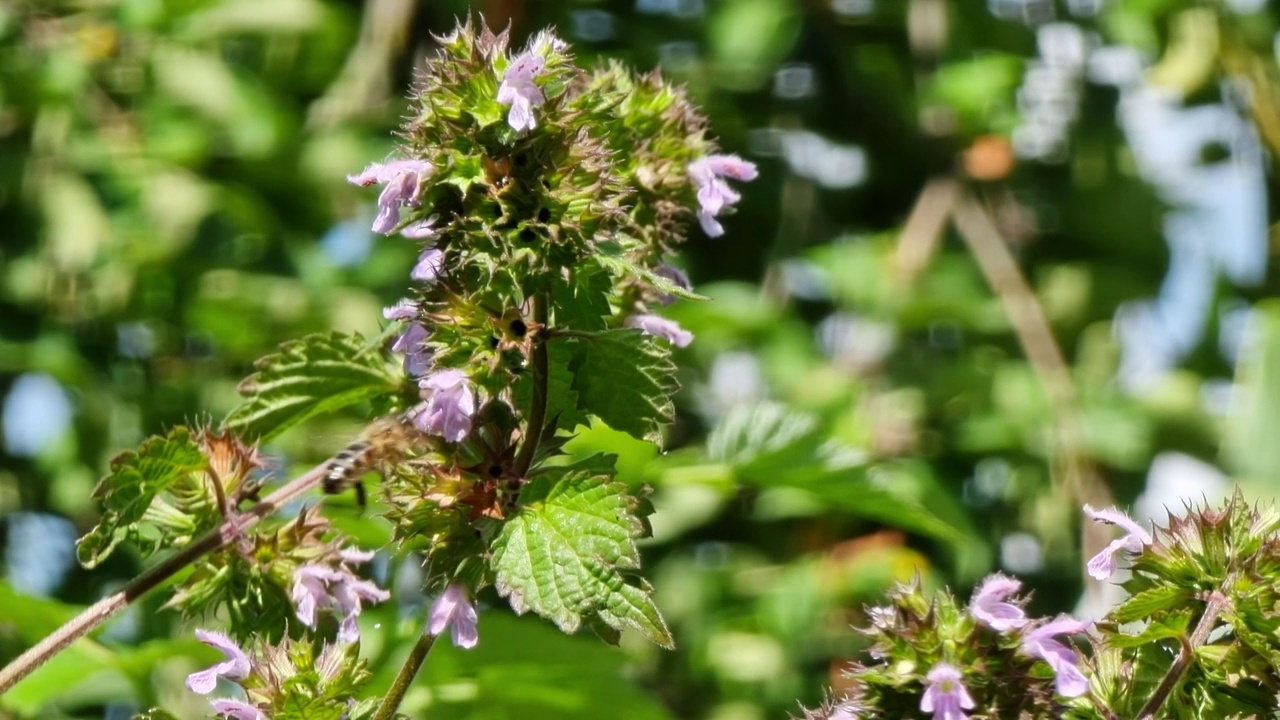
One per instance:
(404,678)
(1216,603)
(108,607)
(541,369)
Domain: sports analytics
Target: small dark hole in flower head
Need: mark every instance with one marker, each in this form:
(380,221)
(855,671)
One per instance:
(495,471)
(493,342)
(527,235)
(521,160)
(518,328)
(544,215)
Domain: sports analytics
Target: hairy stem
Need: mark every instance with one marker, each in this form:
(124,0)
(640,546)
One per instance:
(541,369)
(1186,656)
(107,607)
(404,678)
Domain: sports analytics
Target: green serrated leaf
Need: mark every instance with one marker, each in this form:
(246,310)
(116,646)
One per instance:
(1149,602)
(562,554)
(314,375)
(582,299)
(136,478)
(627,380)
(621,267)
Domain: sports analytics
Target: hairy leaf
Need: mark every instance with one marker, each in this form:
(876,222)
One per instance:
(627,380)
(1149,602)
(314,375)
(563,554)
(136,478)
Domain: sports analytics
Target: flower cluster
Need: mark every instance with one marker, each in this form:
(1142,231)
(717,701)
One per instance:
(932,656)
(291,679)
(334,586)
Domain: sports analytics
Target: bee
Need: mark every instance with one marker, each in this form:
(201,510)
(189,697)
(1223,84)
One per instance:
(382,442)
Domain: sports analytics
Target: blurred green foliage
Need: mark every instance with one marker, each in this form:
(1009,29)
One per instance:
(173,206)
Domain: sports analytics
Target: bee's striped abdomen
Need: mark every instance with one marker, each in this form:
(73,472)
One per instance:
(346,468)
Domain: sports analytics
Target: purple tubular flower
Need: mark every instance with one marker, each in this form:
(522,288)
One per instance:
(403,310)
(661,327)
(430,262)
(402,179)
(237,710)
(317,587)
(454,609)
(1103,564)
(988,605)
(420,230)
(417,356)
(449,408)
(714,194)
(1042,643)
(520,91)
(946,696)
(235,667)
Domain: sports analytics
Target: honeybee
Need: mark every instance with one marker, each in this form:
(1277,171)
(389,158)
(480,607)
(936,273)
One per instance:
(384,441)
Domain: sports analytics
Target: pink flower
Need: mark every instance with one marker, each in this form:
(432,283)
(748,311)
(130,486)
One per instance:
(449,408)
(661,327)
(403,310)
(520,91)
(237,710)
(1042,643)
(988,604)
(402,179)
(316,587)
(417,356)
(235,667)
(1103,564)
(714,194)
(454,609)
(946,697)
(430,262)
(420,230)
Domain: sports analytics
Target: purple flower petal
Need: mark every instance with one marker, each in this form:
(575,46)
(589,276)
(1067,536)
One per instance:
(417,356)
(454,608)
(420,230)
(317,587)
(519,90)
(714,194)
(989,607)
(401,179)
(661,327)
(449,408)
(946,696)
(1042,643)
(235,667)
(237,710)
(430,261)
(403,310)
(1101,566)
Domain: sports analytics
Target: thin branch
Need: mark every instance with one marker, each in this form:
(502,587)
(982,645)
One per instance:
(404,678)
(922,234)
(990,250)
(107,607)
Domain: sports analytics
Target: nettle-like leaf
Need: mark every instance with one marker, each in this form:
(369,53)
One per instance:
(136,478)
(563,555)
(626,379)
(317,374)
